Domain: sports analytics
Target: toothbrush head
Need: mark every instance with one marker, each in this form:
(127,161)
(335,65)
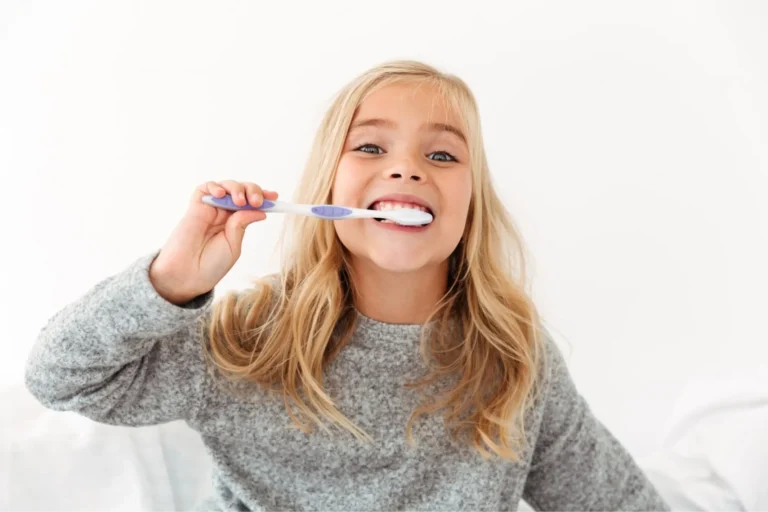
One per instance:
(409,217)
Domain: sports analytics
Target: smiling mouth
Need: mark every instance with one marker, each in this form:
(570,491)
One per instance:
(397,205)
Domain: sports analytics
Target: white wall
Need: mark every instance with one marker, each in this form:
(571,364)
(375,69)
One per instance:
(628,138)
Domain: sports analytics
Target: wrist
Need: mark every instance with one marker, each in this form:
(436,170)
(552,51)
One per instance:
(168,286)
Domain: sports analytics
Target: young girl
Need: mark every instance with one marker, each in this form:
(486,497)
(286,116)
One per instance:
(384,368)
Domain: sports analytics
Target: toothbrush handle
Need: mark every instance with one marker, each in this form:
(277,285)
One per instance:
(226,203)
(322,211)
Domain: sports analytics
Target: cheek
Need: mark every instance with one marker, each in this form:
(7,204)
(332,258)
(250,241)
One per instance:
(345,192)
(458,193)
(346,184)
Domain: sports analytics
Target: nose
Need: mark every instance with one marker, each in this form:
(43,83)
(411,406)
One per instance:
(406,171)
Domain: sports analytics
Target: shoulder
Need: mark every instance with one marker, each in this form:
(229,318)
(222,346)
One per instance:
(553,369)
(554,378)
(554,391)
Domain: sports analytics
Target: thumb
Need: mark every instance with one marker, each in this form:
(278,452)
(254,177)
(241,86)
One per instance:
(238,221)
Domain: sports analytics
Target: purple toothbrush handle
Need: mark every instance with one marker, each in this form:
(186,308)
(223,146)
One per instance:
(226,203)
(331,212)
(324,211)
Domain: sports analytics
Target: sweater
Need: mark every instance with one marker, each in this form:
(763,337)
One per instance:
(123,355)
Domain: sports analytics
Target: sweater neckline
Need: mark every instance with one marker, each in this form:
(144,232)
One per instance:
(368,323)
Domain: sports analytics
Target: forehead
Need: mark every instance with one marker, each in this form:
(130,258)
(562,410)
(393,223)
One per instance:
(417,102)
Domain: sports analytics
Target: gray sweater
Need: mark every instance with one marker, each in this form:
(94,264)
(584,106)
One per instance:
(122,355)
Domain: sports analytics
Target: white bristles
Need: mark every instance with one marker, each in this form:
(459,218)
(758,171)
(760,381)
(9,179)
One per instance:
(405,216)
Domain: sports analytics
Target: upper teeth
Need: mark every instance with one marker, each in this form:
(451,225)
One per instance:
(396,205)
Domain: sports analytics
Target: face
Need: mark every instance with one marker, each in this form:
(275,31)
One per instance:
(404,149)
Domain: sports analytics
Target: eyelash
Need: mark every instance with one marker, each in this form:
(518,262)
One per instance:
(452,158)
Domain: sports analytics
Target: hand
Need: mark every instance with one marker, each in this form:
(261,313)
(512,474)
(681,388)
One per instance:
(207,242)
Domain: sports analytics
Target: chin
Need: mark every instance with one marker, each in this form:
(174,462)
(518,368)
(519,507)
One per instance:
(398,261)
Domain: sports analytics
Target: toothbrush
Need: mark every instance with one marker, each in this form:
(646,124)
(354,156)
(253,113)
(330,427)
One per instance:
(403,216)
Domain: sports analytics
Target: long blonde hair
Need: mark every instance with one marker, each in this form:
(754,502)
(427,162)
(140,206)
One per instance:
(282,335)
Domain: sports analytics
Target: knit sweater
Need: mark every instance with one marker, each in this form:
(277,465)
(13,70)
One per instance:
(123,355)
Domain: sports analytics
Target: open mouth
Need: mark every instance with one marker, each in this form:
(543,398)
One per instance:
(398,205)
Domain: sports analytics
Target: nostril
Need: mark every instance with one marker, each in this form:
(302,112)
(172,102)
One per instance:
(415,178)
(397,175)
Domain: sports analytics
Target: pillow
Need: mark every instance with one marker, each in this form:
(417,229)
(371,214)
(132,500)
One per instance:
(52,460)
(715,451)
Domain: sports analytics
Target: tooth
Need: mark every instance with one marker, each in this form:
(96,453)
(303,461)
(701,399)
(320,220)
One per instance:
(396,205)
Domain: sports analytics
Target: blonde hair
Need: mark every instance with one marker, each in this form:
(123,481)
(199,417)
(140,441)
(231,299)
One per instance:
(283,336)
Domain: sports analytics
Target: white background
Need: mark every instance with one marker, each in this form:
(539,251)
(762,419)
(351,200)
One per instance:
(627,138)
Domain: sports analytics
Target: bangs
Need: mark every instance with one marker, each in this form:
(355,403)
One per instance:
(452,93)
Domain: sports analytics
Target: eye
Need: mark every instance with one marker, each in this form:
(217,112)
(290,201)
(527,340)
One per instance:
(372,149)
(443,156)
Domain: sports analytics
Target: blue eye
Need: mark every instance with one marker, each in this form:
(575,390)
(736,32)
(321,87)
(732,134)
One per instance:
(366,148)
(444,156)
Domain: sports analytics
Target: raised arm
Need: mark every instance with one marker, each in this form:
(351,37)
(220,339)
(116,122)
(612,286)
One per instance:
(130,351)
(122,354)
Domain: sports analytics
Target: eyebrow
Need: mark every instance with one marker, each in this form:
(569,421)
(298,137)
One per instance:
(386,123)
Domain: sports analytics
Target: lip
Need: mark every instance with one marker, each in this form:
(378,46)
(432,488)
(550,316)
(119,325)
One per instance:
(404,198)
(391,226)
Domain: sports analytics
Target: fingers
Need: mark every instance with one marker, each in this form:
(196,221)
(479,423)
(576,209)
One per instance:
(209,187)
(235,189)
(242,192)
(254,194)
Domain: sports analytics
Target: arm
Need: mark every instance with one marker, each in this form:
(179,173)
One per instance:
(577,463)
(121,354)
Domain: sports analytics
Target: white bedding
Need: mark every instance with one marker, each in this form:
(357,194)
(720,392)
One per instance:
(715,454)
(61,461)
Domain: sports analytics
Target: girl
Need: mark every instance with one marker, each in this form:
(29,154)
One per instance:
(385,367)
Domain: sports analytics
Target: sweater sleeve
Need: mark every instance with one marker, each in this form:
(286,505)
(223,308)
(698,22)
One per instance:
(577,463)
(121,354)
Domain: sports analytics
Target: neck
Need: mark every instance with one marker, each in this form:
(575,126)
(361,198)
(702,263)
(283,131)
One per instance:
(397,297)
